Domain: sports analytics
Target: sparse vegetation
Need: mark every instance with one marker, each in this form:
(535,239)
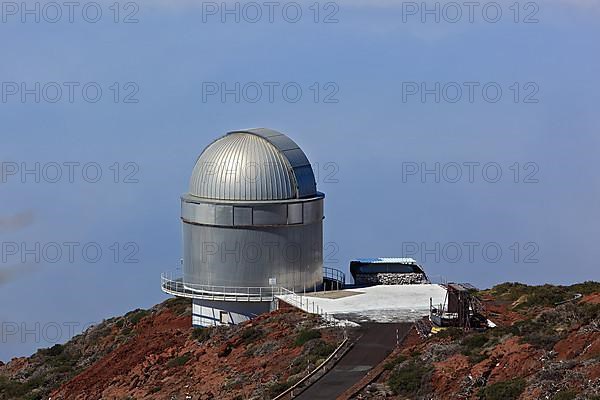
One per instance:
(276,388)
(545,315)
(473,342)
(155,389)
(565,395)
(14,389)
(320,348)
(135,316)
(472,346)
(541,296)
(305,335)
(315,352)
(251,334)
(407,379)
(201,334)
(452,333)
(408,375)
(53,351)
(396,361)
(508,390)
(178,305)
(179,361)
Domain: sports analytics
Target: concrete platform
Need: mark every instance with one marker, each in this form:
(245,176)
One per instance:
(383,303)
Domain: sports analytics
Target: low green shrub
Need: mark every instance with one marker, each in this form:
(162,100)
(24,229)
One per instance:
(544,295)
(452,333)
(322,349)
(179,361)
(251,334)
(407,380)
(565,395)
(276,388)
(507,390)
(587,287)
(393,363)
(15,389)
(305,335)
(536,333)
(135,316)
(53,351)
(178,305)
(474,342)
(201,334)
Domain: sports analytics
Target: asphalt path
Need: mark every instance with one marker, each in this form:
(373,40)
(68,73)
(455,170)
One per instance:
(375,342)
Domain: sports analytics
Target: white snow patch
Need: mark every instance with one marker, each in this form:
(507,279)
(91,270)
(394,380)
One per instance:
(383,303)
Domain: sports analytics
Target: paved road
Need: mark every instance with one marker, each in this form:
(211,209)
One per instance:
(376,342)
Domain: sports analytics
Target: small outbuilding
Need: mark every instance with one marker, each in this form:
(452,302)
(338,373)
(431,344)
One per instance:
(387,271)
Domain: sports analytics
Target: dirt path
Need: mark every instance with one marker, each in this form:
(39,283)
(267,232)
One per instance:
(376,342)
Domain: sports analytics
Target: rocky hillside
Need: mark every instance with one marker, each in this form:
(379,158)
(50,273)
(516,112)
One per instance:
(547,346)
(156,354)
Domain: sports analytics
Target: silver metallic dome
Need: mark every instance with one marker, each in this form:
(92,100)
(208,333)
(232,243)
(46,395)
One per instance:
(253,165)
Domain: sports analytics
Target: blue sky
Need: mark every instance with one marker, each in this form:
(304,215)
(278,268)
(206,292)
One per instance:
(365,145)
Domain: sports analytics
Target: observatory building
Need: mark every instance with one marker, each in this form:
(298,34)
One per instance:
(252,224)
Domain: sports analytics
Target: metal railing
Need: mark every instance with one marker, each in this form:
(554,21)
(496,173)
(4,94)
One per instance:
(177,287)
(305,303)
(172,283)
(335,275)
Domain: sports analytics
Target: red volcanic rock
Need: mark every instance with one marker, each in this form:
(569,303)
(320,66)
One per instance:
(593,298)
(584,346)
(445,378)
(163,361)
(514,360)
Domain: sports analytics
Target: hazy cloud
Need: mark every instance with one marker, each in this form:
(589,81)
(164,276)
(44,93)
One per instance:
(13,272)
(15,222)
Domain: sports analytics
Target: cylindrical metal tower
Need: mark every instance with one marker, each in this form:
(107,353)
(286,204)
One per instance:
(252,220)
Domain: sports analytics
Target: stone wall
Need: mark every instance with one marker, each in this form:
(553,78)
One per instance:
(390,278)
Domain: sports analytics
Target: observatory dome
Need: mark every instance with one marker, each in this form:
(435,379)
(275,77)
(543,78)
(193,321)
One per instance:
(252,216)
(253,165)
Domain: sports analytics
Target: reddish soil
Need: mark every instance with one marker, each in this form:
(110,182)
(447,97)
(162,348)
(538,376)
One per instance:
(579,345)
(148,366)
(593,298)
(153,355)
(455,375)
(500,312)
(514,360)
(446,373)
(157,340)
